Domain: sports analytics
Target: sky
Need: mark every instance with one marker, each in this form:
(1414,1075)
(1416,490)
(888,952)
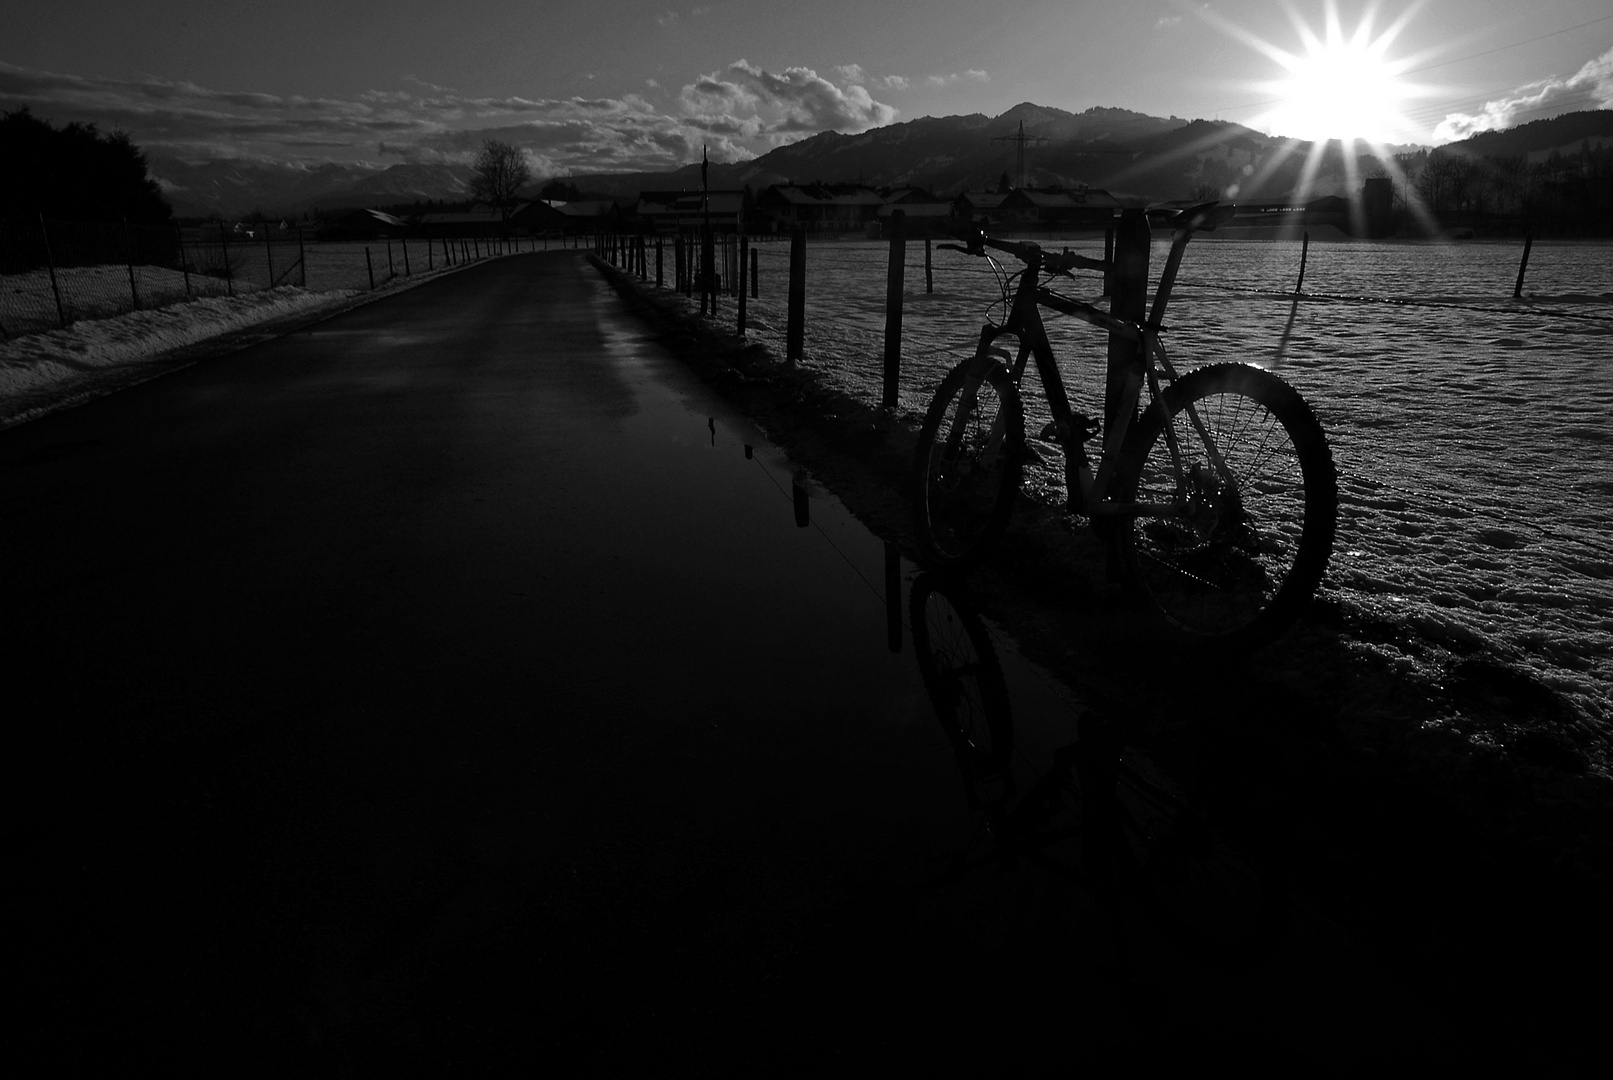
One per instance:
(635,85)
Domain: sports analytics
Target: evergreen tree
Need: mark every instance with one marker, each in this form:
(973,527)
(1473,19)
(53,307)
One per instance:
(75,173)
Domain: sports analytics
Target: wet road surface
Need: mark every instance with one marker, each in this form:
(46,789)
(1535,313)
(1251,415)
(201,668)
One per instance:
(451,684)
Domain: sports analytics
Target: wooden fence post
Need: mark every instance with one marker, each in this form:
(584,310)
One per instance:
(128,256)
(795,329)
(740,282)
(184,267)
(50,263)
(895,272)
(370,266)
(1304,254)
(1109,257)
(708,273)
(1128,300)
(390,272)
(224,247)
(406,271)
(1528,242)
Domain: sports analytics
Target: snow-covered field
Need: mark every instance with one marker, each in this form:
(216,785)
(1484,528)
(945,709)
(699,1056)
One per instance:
(103,350)
(1473,431)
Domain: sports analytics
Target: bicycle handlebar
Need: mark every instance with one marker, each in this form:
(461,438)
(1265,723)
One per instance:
(1200,218)
(1029,253)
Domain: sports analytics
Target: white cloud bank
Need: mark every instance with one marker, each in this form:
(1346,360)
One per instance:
(1591,87)
(735,113)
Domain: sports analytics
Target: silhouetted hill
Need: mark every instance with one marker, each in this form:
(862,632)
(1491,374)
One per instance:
(1131,154)
(231,188)
(1540,137)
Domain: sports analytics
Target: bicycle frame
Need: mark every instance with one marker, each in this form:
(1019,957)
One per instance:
(1024,321)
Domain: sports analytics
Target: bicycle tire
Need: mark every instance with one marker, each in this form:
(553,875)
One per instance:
(961,673)
(968,465)
(1239,567)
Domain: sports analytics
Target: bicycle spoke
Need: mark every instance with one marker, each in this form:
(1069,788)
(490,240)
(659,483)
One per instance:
(1243,532)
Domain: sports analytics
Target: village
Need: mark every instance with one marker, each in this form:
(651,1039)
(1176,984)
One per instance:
(821,209)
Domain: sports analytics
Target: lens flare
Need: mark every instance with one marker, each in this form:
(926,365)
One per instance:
(1339,89)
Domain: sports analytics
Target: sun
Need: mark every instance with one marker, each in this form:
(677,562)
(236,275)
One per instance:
(1340,89)
(1332,84)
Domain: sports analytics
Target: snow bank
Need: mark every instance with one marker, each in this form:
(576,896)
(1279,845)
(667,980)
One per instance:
(42,372)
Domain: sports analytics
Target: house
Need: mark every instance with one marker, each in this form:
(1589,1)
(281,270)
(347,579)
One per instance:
(479,220)
(1052,208)
(690,211)
(364,224)
(587,215)
(831,208)
(926,215)
(975,205)
(542,217)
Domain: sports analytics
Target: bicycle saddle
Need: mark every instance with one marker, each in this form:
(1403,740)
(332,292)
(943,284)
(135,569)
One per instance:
(1201,218)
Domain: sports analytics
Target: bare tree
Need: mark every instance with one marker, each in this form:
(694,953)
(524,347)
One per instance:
(501,173)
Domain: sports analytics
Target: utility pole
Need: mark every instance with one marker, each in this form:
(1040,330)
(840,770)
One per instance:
(1019,140)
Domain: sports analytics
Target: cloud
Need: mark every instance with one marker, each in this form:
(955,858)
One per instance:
(796,101)
(856,75)
(670,17)
(972,75)
(734,114)
(1591,87)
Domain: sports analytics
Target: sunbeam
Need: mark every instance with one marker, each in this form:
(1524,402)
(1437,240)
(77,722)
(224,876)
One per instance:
(1335,90)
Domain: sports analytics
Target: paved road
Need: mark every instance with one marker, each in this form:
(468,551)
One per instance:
(445,685)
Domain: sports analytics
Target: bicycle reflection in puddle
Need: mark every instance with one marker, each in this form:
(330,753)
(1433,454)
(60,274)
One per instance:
(1099,816)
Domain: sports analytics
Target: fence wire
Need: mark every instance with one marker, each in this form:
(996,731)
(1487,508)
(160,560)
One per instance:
(54,273)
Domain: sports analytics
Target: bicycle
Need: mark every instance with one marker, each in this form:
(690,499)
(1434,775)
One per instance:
(1219,497)
(1099,816)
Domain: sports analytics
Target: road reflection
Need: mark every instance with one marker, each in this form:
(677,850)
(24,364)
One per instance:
(1099,814)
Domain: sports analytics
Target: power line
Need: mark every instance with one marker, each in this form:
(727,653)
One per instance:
(1504,48)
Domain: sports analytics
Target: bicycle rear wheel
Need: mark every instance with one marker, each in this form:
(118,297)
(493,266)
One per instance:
(1252,539)
(969,463)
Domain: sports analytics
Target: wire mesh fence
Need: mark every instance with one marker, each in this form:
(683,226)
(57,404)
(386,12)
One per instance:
(54,273)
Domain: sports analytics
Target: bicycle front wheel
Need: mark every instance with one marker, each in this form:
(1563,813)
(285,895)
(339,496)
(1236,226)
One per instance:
(968,465)
(1256,502)
(961,673)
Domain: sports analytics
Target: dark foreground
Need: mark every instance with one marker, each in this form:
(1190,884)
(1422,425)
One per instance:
(447,687)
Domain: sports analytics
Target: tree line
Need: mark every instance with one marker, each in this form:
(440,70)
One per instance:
(1564,193)
(75,173)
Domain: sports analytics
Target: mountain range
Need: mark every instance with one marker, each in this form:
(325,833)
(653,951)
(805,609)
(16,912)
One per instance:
(1130,154)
